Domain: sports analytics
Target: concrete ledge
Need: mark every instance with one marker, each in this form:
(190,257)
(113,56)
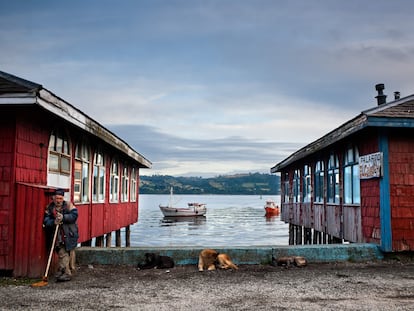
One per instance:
(240,255)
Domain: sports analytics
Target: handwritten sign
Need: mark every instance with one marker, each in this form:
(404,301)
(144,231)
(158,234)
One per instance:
(370,166)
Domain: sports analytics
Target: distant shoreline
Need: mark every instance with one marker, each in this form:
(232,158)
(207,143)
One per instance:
(240,184)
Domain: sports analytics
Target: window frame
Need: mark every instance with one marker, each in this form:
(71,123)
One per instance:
(332,187)
(286,188)
(125,184)
(98,177)
(133,185)
(82,183)
(351,181)
(319,182)
(114,182)
(307,184)
(296,186)
(59,153)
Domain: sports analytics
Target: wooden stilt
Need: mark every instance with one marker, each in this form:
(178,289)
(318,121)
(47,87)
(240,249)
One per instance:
(127,236)
(118,238)
(108,238)
(99,241)
(87,243)
(299,235)
(291,234)
(307,236)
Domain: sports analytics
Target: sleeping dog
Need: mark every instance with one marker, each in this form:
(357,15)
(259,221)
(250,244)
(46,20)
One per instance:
(210,258)
(155,261)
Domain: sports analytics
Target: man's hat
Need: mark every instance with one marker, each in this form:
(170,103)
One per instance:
(59,192)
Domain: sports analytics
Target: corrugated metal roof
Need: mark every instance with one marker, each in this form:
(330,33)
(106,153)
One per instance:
(14,90)
(399,113)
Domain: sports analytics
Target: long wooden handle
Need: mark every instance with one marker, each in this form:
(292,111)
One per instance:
(51,251)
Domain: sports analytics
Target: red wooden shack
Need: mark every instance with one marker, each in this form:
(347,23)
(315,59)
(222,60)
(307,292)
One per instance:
(356,183)
(46,143)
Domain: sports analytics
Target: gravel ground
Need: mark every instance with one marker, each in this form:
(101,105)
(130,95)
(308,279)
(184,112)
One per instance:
(382,285)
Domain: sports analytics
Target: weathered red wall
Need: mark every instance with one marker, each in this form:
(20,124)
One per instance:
(7,130)
(401,166)
(370,195)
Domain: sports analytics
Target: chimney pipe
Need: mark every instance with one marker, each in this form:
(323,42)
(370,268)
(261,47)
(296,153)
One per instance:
(396,95)
(381,98)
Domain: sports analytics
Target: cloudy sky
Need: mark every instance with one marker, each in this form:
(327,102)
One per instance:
(209,87)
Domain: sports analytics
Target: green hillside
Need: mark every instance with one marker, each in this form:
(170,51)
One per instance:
(253,183)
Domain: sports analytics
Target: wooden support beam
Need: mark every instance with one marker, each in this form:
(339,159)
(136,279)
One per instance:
(108,239)
(99,241)
(118,238)
(127,236)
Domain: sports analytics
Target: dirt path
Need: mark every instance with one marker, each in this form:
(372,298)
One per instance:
(385,285)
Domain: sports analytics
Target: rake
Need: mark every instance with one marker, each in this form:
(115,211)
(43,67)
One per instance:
(44,282)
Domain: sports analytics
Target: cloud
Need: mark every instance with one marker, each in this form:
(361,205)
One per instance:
(175,155)
(212,85)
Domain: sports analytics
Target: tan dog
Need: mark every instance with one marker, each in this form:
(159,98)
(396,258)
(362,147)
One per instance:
(207,259)
(224,262)
(287,261)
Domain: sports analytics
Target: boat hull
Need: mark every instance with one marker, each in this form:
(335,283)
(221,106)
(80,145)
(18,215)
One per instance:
(271,211)
(169,211)
(271,208)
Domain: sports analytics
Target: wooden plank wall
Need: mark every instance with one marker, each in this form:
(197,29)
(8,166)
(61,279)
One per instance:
(7,130)
(401,167)
(30,254)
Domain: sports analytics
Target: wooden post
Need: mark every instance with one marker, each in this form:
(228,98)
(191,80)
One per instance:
(127,236)
(316,237)
(87,243)
(118,238)
(299,235)
(308,236)
(108,239)
(99,241)
(291,234)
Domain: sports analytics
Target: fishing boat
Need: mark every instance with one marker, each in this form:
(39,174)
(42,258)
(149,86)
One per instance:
(192,209)
(271,208)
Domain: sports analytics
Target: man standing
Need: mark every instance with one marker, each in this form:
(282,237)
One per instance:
(63,214)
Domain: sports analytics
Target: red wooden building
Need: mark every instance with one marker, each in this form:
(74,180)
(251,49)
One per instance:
(46,143)
(356,183)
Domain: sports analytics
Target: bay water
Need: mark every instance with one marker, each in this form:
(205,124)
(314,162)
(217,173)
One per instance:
(231,220)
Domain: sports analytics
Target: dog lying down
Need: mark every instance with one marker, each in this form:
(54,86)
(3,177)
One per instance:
(287,261)
(155,261)
(210,259)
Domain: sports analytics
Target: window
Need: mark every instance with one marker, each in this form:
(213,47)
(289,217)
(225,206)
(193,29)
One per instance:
(286,188)
(307,186)
(351,176)
(296,186)
(114,185)
(98,190)
(333,180)
(133,185)
(82,173)
(319,180)
(59,153)
(124,184)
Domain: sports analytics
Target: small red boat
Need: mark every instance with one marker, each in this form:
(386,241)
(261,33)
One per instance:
(271,208)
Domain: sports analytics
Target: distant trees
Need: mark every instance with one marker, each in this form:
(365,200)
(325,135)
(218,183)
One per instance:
(252,183)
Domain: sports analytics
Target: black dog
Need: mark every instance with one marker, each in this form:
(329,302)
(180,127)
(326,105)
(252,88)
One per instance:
(154,261)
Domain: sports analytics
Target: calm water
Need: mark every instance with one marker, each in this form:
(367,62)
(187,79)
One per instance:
(231,220)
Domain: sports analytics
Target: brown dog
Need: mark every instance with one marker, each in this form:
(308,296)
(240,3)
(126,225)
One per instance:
(209,258)
(224,262)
